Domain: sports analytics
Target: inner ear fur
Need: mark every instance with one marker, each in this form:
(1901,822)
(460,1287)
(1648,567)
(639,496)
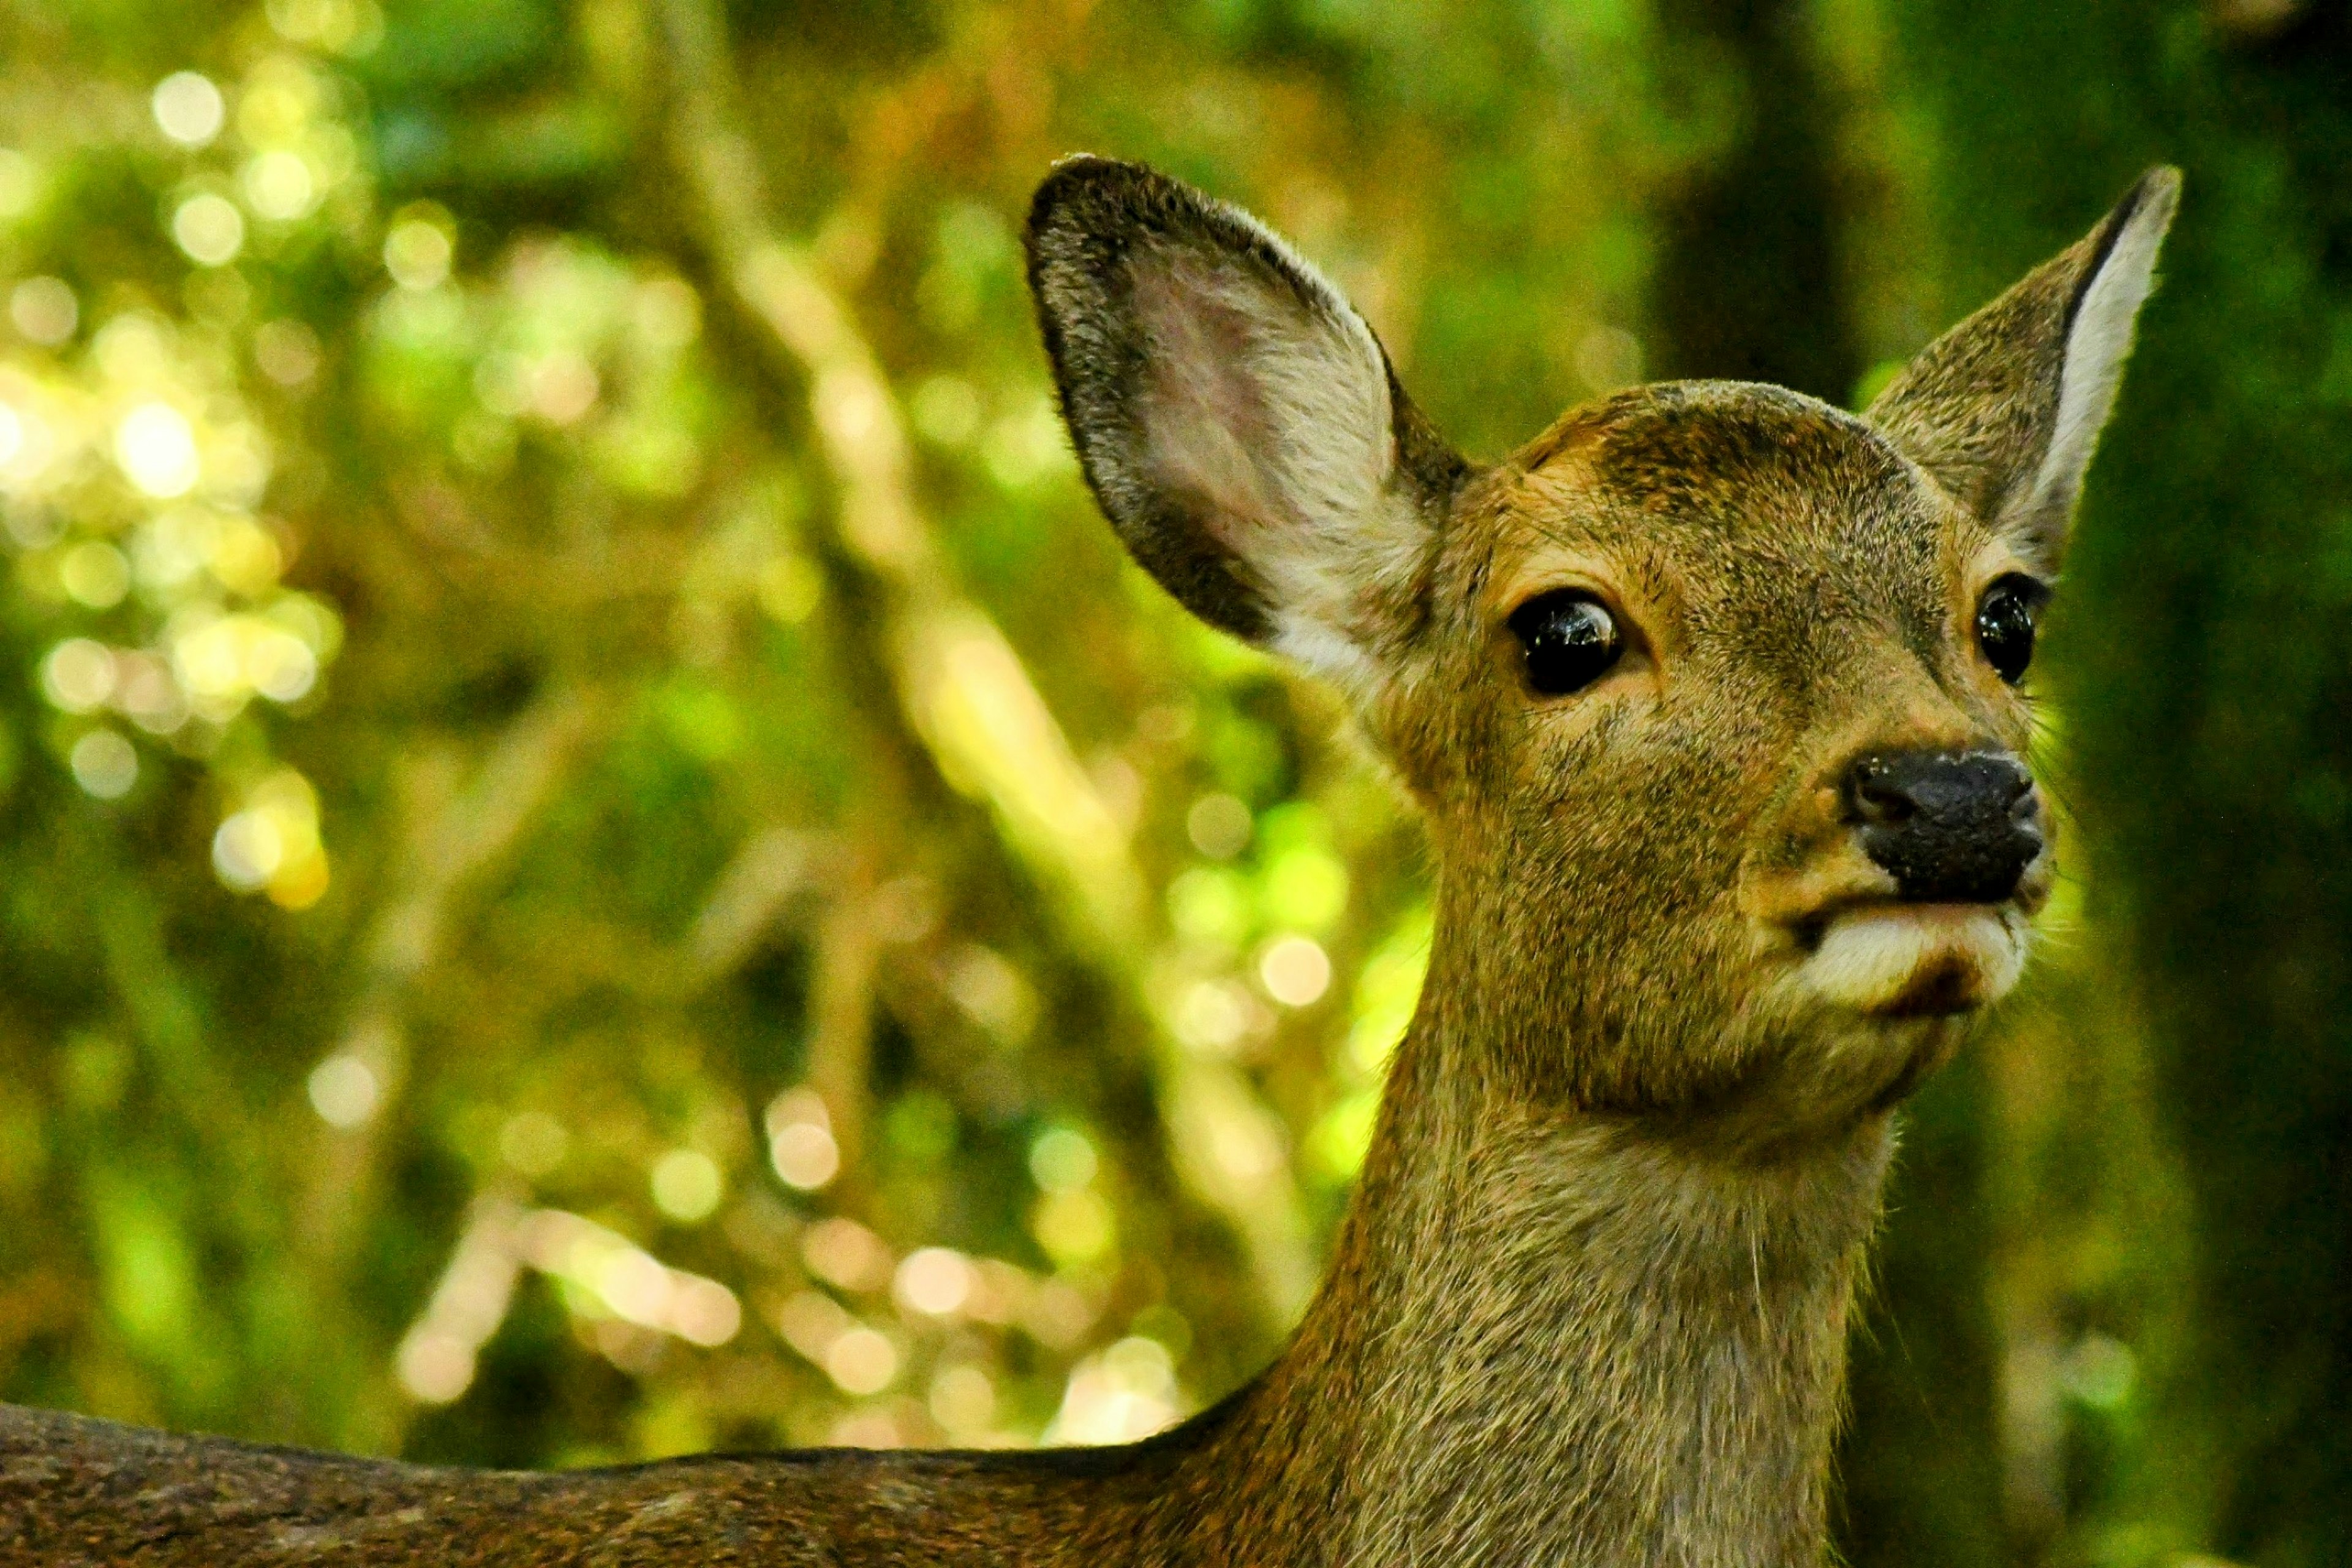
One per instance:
(2004,411)
(1237,420)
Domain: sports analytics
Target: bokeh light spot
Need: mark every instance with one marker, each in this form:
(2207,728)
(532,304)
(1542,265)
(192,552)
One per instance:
(44,310)
(937,1280)
(78,675)
(146,693)
(810,1320)
(1063,1160)
(1307,887)
(188,107)
(95,574)
(157,450)
(1076,1228)
(134,347)
(279,185)
(1296,972)
(1210,904)
(1127,1393)
(248,849)
(705,1312)
(843,1252)
(563,387)
(281,666)
(963,1400)
(635,1285)
(273,842)
(862,1360)
(992,993)
(344,26)
(344,1090)
(800,1139)
(1024,448)
(209,228)
(287,352)
(1219,825)
(105,764)
(687,1186)
(1217,1018)
(418,252)
(945,410)
(20,183)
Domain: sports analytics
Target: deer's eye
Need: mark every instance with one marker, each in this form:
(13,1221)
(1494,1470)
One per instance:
(2005,623)
(1570,640)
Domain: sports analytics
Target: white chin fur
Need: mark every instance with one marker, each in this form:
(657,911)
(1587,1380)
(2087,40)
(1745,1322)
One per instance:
(1916,958)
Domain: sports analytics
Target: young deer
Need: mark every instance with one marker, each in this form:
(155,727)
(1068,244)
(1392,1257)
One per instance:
(1709,696)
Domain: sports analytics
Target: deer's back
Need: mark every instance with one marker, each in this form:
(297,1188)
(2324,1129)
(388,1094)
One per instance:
(73,1489)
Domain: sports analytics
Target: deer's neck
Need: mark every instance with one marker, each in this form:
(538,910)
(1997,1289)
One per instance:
(1560,1340)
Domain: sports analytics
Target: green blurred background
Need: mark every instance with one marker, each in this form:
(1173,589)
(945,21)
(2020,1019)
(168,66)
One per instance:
(602,858)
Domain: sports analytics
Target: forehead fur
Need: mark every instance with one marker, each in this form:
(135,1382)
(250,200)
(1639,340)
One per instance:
(1729,455)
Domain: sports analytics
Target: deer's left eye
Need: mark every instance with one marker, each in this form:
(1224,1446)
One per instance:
(1569,638)
(2005,617)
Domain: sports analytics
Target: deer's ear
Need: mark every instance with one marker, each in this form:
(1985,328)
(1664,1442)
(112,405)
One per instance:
(2005,409)
(1235,418)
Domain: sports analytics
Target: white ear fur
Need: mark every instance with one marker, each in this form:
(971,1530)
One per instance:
(1268,400)
(2097,344)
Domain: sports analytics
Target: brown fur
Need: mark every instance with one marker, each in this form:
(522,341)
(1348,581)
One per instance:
(1590,1304)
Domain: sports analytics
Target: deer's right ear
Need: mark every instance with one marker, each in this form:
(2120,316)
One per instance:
(2005,409)
(1236,418)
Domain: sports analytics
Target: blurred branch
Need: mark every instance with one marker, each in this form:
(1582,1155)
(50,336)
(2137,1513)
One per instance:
(841,1011)
(451,845)
(960,682)
(168,1021)
(772,867)
(164,1010)
(465,835)
(468,549)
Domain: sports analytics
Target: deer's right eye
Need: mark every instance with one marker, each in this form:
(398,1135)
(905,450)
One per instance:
(1569,638)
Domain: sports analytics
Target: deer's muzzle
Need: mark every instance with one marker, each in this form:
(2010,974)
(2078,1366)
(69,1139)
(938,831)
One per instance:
(1950,827)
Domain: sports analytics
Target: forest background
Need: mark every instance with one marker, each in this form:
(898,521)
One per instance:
(600,857)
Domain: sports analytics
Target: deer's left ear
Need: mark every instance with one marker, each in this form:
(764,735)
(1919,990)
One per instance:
(2005,409)
(1236,418)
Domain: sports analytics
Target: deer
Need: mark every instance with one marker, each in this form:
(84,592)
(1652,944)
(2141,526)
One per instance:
(1709,697)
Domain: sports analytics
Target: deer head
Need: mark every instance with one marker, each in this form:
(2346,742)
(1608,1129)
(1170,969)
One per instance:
(1710,694)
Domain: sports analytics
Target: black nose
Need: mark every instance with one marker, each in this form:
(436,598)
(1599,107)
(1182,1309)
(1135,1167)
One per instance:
(1952,827)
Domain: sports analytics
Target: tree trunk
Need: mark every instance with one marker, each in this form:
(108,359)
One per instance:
(2205,665)
(1747,285)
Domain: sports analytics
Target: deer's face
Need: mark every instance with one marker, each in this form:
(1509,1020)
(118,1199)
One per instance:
(1710,693)
(1715,715)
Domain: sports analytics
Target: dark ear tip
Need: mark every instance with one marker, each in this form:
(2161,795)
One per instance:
(2156,193)
(1082,181)
(2151,201)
